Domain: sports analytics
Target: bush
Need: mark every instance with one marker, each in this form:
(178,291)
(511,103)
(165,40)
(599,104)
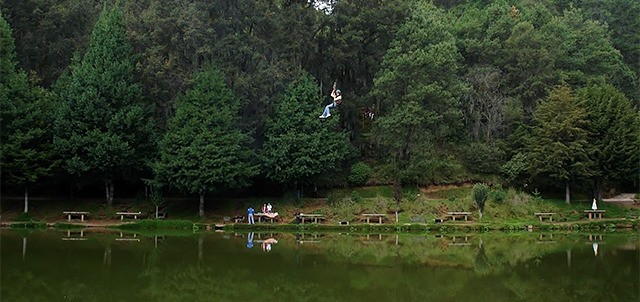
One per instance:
(24,217)
(355,197)
(360,173)
(499,196)
(480,194)
(335,197)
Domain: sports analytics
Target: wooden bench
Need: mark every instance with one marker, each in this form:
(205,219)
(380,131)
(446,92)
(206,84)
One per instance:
(543,215)
(310,217)
(70,214)
(453,215)
(594,214)
(368,217)
(261,216)
(134,214)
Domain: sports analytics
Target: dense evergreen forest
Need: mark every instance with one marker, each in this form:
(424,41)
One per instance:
(194,97)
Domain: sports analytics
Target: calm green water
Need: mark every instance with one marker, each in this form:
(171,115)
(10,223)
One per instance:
(102,266)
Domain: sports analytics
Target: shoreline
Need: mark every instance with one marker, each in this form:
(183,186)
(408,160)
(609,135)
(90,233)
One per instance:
(612,224)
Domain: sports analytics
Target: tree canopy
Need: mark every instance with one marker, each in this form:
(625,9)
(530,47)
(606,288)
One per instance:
(435,92)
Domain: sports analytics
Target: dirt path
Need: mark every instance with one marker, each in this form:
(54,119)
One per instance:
(624,199)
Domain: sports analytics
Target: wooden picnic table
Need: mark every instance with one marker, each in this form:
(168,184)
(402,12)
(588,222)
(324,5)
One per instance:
(542,215)
(134,214)
(594,214)
(69,214)
(373,215)
(265,216)
(453,215)
(310,217)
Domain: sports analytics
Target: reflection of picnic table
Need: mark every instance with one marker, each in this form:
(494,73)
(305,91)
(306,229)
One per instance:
(70,232)
(266,216)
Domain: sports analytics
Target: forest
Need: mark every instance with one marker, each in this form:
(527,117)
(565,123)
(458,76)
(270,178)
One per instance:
(112,99)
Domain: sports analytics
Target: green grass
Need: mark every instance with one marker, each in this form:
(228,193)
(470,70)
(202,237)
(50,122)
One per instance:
(160,225)
(29,225)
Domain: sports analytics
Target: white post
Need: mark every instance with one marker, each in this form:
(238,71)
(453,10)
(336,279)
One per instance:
(26,199)
(24,247)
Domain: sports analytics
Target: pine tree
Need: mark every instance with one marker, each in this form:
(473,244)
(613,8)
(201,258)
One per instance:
(102,127)
(26,151)
(559,148)
(421,65)
(204,149)
(613,134)
(299,146)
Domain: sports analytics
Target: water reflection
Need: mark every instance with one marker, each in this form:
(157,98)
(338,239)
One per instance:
(250,240)
(336,267)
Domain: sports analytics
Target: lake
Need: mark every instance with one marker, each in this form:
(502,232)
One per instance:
(103,265)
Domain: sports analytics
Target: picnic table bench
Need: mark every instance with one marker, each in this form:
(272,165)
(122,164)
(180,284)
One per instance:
(266,216)
(373,215)
(543,215)
(594,214)
(134,214)
(70,214)
(310,217)
(453,215)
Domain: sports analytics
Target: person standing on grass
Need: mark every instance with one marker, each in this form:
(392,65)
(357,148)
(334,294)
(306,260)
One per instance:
(250,212)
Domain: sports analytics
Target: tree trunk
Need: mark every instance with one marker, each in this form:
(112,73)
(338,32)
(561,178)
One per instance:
(480,213)
(201,209)
(567,193)
(108,186)
(26,199)
(156,211)
(397,195)
(598,193)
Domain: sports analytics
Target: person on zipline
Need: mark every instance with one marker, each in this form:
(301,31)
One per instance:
(337,100)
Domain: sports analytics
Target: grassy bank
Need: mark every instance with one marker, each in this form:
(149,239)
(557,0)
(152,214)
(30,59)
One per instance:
(505,209)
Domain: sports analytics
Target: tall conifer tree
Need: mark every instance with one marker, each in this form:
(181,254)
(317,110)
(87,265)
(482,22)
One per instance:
(204,149)
(102,127)
(26,152)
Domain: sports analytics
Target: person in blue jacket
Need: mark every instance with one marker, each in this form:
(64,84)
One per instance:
(250,212)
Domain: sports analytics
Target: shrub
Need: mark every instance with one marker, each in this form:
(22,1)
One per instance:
(360,173)
(480,194)
(355,197)
(499,196)
(335,197)
(24,217)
